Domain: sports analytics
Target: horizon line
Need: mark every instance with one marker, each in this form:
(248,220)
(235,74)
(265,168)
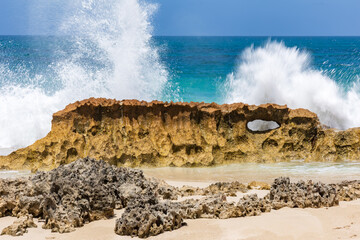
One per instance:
(59,35)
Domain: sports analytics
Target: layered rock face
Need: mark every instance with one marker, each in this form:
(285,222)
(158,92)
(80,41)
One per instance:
(134,133)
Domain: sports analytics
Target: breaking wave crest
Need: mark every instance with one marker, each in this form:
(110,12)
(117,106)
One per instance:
(278,74)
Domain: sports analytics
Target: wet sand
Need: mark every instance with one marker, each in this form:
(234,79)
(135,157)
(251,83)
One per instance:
(325,172)
(341,222)
(246,172)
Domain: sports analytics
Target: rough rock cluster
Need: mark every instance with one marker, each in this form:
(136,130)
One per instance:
(228,188)
(87,190)
(148,217)
(133,133)
(302,194)
(348,190)
(20,226)
(73,194)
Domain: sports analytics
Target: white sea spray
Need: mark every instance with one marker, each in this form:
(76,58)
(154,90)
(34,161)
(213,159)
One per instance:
(278,74)
(116,35)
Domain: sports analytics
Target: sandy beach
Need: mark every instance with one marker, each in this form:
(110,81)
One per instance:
(340,222)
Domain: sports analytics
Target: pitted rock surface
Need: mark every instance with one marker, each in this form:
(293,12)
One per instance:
(137,133)
(259,185)
(302,194)
(73,194)
(227,188)
(20,226)
(217,206)
(348,190)
(148,217)
(87,190)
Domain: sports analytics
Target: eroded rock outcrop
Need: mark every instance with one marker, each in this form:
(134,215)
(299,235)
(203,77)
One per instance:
(227,188)
(348,190)
(74,194)
(134,133)
(87,190)
(147,216)
(302,194)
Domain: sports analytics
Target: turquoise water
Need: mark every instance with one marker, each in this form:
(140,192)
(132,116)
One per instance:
(200,65)
(197,66)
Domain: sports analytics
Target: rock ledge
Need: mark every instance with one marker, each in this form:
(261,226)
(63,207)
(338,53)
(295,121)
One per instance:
(137,133)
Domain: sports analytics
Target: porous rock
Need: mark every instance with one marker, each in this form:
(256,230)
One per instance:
(227,188)
(73,194)
(87,190)
(137,133)
(348,190)
(148,217)
(259,185)
(218,207)
(302,194)
(20,226)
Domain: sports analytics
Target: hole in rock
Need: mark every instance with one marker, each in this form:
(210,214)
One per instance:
(262,125)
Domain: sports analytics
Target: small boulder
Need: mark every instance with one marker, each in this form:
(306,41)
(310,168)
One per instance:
(20,226)
(259,185)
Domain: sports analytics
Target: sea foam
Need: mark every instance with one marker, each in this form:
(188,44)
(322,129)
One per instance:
(278,74)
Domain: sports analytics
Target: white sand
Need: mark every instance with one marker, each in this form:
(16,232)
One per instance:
(341,222)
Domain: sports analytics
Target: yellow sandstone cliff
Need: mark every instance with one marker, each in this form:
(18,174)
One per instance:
(137,133)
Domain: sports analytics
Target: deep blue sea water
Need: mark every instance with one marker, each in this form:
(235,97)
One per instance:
(41,74)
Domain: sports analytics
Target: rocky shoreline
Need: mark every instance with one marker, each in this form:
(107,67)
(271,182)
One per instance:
(136,133)
(88,190)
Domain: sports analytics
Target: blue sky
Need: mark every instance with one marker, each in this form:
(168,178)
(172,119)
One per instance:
(222,17)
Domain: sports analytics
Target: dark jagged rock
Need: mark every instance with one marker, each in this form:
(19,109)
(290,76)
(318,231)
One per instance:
(218,207)
(88,190)
(148,217)
(302,194)
(348,190)
(73,194)
(166,191)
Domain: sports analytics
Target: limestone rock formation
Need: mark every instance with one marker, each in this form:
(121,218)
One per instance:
(134,133)
(302,194)
(259,185)
(87,190)
(73,194)
(348,190)
(227,188)
(148,217)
